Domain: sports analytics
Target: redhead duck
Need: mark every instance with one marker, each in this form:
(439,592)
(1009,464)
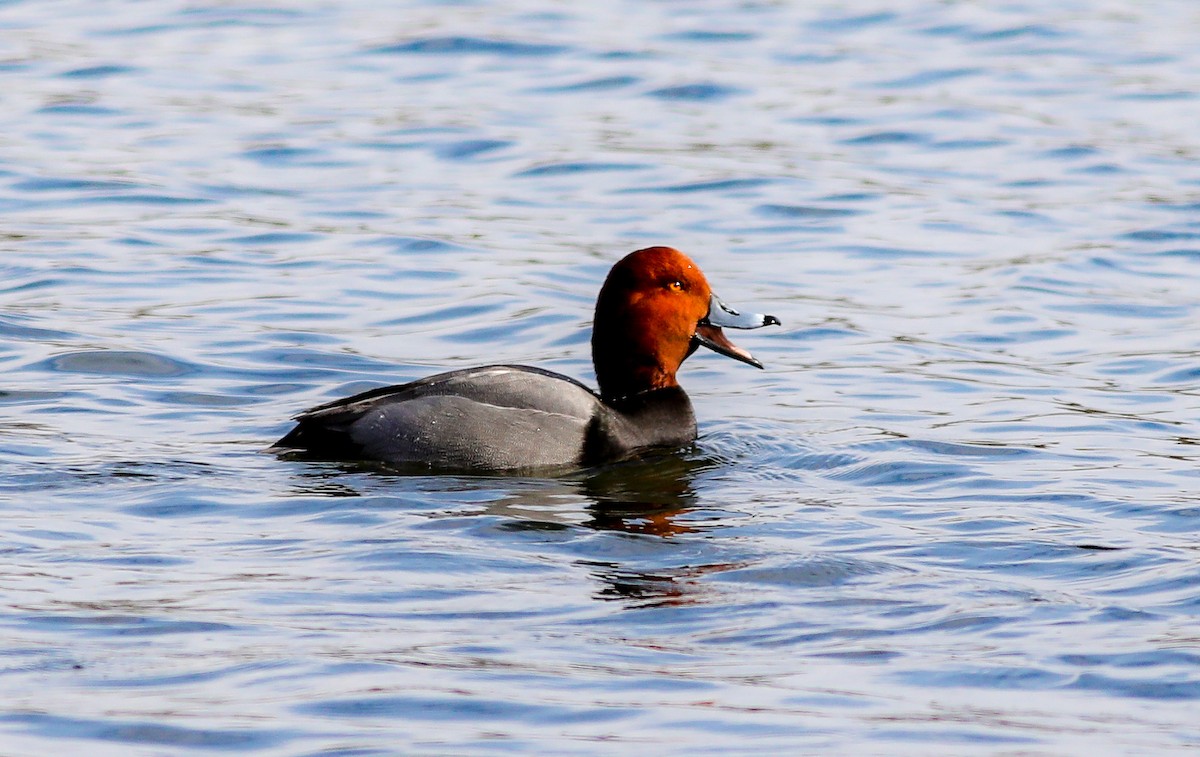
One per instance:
(654,310)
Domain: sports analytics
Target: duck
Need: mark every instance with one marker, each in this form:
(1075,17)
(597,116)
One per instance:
(654,310)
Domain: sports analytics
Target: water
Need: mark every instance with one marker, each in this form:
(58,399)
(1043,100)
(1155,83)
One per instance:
(957,513)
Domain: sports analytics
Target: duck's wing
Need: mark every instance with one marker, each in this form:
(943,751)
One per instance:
(515,386)
(492,417)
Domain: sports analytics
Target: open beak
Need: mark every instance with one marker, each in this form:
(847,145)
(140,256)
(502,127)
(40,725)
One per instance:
(709,333)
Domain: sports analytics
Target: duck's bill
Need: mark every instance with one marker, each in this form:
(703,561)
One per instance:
(720,314)
(709,333)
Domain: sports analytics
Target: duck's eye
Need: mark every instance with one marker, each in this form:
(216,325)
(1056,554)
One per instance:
(676,286)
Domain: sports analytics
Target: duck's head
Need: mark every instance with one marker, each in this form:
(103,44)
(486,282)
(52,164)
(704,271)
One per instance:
(654,310)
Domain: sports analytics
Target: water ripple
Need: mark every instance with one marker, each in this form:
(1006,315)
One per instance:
(118,363)
(147,733)
(703,91)
(469,46)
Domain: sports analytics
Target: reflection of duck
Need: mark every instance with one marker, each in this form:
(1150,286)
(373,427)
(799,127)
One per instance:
(664,587)
(651,497)
(641,499)
(645,497)
(654,310)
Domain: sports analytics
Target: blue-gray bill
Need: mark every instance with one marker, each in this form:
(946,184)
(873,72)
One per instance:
(709,333)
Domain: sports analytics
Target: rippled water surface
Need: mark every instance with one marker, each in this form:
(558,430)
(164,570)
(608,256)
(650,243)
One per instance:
(958,512)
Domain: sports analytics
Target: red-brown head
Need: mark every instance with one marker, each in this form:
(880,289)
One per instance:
(654,309)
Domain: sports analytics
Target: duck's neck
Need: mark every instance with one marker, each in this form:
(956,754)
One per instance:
(629,379)
(668,399)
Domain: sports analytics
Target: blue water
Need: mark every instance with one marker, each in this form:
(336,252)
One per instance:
(957,513)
